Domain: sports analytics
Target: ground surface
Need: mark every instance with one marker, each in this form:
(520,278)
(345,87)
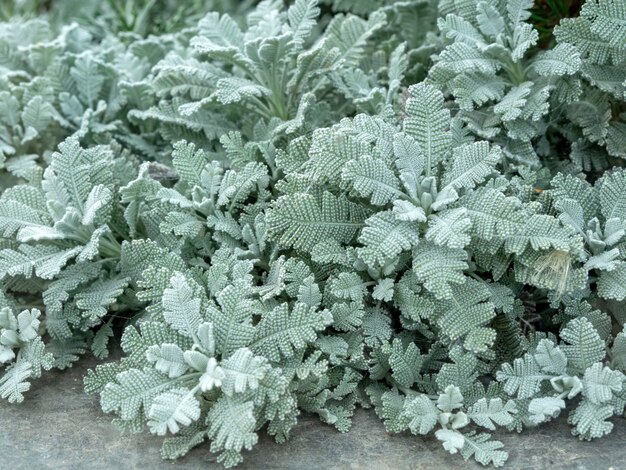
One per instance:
(60,427)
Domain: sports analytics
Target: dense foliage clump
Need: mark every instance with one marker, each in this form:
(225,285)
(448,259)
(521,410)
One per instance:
(416,206)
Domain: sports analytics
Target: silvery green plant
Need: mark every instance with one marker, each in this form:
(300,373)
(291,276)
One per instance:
(502,86)
(537,104)
(596,123)
(264,81)
(313,207)
(59,85)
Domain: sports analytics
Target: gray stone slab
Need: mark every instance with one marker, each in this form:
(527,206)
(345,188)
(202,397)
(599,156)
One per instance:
(60,427)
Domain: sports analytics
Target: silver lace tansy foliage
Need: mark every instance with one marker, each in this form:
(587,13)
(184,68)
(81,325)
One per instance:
(308,207)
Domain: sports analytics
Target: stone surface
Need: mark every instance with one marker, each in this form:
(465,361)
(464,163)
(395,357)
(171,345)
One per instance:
(60,427)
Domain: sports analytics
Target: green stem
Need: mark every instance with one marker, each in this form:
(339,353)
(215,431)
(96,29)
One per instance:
(5,15)
(141,20)
(118,11)
(38,306)
(261,108)
(515,72)
(412,393)
(109,247)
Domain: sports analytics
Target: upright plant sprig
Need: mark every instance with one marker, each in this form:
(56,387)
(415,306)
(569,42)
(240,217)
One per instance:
(267,79)
(598,214)
(57,85)
(549,374)
(596,121)
(504,89)
(62,244)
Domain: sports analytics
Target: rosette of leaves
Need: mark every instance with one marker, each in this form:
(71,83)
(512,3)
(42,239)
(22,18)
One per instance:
(504,89)
(263,309)
(22,349)
(266,80)
(225,349)
(323,239)
(596,121)
(61,247)
(549,374)
(450,412)
(598,214)
(404,47)
(54,86)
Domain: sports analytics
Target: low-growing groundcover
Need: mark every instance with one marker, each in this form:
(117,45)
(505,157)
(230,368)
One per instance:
(416,206)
